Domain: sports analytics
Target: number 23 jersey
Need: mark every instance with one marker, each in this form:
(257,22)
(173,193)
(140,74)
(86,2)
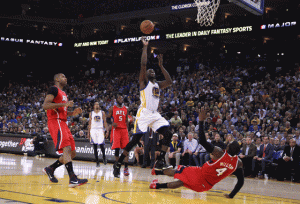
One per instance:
(220,169)
(119,115)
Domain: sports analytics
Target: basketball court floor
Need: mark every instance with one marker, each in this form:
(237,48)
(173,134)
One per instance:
(22,181)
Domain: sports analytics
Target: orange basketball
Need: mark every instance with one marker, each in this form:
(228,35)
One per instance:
(147,27)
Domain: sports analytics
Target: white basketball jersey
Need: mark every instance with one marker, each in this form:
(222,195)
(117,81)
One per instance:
(150,96)
(97,120)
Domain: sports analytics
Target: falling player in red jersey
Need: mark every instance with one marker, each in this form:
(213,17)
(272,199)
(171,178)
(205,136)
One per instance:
(56,104)
(119,133)
(204,178)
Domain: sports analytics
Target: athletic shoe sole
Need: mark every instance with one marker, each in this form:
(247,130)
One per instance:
(72,185)
(164,168)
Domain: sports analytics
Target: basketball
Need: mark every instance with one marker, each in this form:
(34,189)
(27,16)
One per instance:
(147,27)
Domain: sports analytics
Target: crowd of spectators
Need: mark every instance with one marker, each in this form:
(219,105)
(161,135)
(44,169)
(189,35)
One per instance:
(241,105)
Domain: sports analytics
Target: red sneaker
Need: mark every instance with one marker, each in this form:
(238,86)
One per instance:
(126,173)
(153,184)
(153,172)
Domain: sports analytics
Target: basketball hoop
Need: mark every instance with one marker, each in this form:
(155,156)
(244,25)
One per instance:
(206,11)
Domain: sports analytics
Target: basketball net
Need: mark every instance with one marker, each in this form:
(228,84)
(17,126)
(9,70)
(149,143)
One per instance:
(206,11)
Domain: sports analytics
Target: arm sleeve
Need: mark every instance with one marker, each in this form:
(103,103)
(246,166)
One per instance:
(240,182)
(202,140)
(53,91)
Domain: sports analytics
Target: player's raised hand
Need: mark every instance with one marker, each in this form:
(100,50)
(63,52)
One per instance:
(202,114)
(144,40)
(160,60)
(77,111)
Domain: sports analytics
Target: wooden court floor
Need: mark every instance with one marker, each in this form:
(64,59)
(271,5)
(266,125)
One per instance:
(22,181)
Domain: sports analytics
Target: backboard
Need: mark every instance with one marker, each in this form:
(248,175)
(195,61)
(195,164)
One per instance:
(254,6)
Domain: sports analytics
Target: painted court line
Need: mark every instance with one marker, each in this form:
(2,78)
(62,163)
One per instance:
(38,196)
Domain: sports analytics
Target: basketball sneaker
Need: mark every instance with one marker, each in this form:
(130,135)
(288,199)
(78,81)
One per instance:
(117,167)
(126,172)
(161,165)
(153,184)
(105,161)
(50,173)
(160,169)
(97,164)
(74,181)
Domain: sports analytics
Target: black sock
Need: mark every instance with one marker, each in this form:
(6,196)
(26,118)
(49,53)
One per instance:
(161,185)
(69,167)
(162,155)
(126,164)
(96,152)
(103,151)
(122,157)
(55,165)
(159,172)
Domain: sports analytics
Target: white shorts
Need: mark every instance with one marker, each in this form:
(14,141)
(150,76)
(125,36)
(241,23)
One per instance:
(146,118)
(97,136)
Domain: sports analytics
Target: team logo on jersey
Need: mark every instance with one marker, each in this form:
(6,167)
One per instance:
(97,118)
(120,112)
(64,98)
(155,91)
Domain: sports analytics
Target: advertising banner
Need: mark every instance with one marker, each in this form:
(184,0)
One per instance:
(84,150)
(31,41)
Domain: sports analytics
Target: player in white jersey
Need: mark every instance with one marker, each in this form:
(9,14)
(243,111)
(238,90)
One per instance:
(147,115)
(96,131)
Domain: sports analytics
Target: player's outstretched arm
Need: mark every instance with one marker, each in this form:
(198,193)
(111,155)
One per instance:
(168,81)
(216,151)
(143,80)
(239,172)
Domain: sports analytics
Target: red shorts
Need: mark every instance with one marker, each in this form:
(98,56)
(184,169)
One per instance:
(119,138)
(61,135)
(192,178)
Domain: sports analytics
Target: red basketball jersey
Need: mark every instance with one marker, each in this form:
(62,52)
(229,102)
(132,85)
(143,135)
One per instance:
(60,97)
(119,115)
(220,169)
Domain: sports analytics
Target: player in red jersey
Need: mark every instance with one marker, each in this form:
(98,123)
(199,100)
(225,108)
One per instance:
(119,133)
(56,104)
(204,178)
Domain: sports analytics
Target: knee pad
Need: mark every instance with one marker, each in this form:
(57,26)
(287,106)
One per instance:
(117,152)
(167,135)
(135,139)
